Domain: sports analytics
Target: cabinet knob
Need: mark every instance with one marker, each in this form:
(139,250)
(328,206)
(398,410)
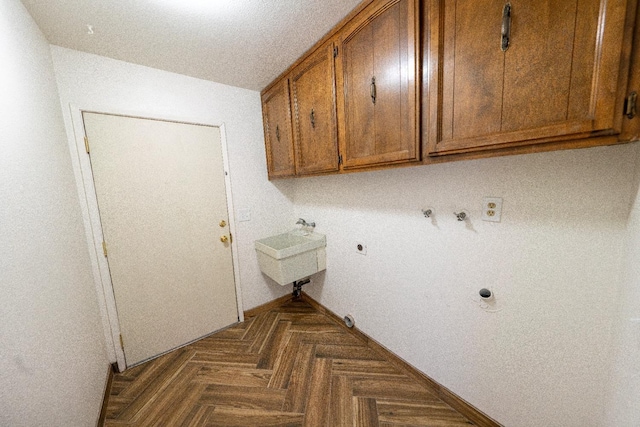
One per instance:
(224,239)
(223,223)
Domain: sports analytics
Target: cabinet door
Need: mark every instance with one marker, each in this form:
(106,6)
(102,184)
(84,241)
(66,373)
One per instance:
(276,114)
(376,76)
(556,79)
(315,132)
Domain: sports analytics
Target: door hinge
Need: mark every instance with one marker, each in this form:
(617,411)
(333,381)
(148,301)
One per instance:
(339,159)
(335,51)
(104,248)
(630,105)
(230,238)
(121,342)
(86,144)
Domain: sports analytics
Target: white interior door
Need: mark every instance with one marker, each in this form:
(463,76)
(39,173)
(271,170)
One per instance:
(162,202)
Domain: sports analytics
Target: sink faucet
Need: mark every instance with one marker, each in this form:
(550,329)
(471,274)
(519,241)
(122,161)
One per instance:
(305,223)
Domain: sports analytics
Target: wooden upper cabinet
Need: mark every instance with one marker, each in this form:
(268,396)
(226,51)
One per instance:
(527,71)
(377,97)
(315,132)
(276,114)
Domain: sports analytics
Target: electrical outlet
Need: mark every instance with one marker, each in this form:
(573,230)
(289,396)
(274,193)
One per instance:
(492,209)
(361,248)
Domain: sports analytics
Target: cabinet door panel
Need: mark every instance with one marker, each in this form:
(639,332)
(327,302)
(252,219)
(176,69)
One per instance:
(584,60)
(475,103)
(605,99)
(276,112)
(358,105)
(559,78)
(538,64)
(377,71)
(389,64)
(315,128)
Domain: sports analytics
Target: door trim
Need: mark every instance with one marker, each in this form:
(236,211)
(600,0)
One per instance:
(93,227)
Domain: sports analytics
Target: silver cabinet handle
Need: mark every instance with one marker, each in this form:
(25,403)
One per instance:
(373,90)
(506,27)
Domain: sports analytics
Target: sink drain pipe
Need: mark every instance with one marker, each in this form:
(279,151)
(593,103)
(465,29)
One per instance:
(297,287)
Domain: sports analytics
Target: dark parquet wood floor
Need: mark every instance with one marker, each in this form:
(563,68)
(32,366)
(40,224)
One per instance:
(291,366)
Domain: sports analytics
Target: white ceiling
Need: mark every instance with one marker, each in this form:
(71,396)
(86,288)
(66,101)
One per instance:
(244,43)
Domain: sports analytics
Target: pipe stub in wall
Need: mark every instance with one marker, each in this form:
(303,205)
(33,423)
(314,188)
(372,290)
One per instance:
(485,294)
(349,321)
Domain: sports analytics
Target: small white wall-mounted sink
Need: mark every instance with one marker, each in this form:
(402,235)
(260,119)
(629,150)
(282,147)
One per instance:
(292,256)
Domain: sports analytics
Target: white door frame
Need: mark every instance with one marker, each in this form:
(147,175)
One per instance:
(93,227)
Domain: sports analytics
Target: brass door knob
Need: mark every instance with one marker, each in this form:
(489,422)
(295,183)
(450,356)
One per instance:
(224,239)
(223,223)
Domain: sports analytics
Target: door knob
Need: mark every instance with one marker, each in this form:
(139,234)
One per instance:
(224,239)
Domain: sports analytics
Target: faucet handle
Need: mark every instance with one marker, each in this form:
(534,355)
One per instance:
(462,215)
(305,223)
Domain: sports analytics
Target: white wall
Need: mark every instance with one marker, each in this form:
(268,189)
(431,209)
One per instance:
(554,262)
(101,84)
(623,408)
(51,347)
(540,355)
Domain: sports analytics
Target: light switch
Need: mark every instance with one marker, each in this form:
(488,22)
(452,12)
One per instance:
(244,214)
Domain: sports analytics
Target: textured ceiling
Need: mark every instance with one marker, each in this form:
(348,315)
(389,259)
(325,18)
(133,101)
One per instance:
(244,43)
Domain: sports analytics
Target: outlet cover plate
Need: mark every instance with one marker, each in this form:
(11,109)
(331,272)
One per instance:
(492,209)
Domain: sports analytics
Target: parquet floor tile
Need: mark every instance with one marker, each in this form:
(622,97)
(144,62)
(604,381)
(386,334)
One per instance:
(290,366)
